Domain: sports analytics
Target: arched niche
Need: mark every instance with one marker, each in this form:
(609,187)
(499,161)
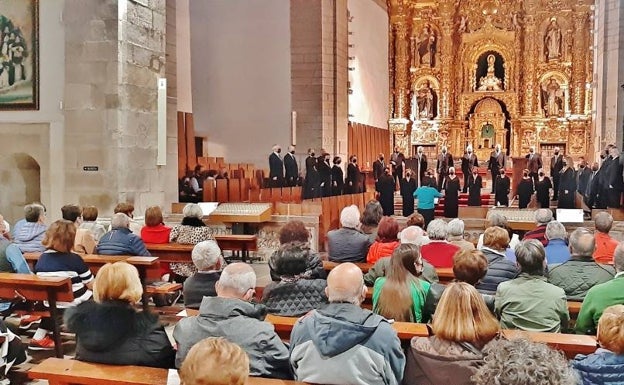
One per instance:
(20,177)
(554,94)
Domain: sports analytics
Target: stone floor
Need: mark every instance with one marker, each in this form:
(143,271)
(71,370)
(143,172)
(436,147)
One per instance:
(19,375)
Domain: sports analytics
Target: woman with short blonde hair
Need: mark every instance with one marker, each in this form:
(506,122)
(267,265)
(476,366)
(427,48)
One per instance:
(462,327)
(215,361)
(111,331)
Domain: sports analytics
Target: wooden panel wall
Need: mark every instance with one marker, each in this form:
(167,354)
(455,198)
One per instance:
(366,142)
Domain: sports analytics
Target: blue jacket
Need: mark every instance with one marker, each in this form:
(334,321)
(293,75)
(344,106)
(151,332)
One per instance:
(500,269)
(121,241)
(557,251)
(29,235)
(602,367)
(342,343)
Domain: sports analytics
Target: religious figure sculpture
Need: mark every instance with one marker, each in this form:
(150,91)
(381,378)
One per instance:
(424,103)
(490,82)
(552,98)
(552,41)
(427,46)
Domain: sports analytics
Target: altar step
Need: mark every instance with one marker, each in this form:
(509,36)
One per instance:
(487,200)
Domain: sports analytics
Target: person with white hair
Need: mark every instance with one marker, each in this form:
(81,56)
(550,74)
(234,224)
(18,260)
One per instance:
(29,234)
(439,252)
(557,250)
(411,235)
(291,167)
(363,348)
(348,244)
(469,162)
(542,217)
(455,235)
(206,256)
(581,272)
(231,315)
(120,240)
(276,167)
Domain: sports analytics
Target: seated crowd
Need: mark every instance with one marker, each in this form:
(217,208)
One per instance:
(337,340)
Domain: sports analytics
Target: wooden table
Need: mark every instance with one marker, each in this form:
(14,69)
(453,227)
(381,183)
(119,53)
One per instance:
(238,242)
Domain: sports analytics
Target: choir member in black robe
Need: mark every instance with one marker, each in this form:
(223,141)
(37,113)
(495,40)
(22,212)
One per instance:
(475,184)
(352,181)
(567,185)
(385,187)
(503,183)
(337,177)
(525,190)
(421,166)
(542,190)
(324,170)
(311,185)
(556,164)
(408,186)
(451,194)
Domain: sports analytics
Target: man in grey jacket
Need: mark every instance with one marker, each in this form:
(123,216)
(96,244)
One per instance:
(342,343)
(232,316)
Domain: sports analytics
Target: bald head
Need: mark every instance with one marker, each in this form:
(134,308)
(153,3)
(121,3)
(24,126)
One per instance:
(582,243)
(412,235)
(345,283)
(238,280)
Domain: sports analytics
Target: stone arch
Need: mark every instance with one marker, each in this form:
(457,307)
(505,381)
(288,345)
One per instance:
(20,176)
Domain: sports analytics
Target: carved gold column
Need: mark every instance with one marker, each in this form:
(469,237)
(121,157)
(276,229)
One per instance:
(401,70)
(530,57)
(446,61)
(579,62)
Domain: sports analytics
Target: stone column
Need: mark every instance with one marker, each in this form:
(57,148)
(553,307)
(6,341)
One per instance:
(319,65)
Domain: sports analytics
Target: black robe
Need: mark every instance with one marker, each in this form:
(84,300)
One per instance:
(542,189)
(352,181)
(407,192)
(324,170)
(525,190)
(567,182)
(311,184)
(451,197)
(474,190)
(385,187)
(502,190)
(337,180)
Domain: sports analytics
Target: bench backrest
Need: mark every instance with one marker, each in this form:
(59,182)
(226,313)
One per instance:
(35,288)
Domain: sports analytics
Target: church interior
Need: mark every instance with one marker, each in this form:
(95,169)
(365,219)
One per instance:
(261,114)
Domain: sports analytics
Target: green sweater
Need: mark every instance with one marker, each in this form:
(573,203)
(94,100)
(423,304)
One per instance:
(418,296)
(597,299)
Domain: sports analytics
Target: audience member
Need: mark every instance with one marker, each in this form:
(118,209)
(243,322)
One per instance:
(89,217)
(369,222)
(295,231)
(215,361)
(529,302)
(462,327)
(191,231)
(542,217)
(418,220)
(206,256)
(522,362)
(411,235)
(557,250)
(5,229)
(294,294)
(580,273)
(469,266)
(347,244)
(497,219)
(85,242)
(59,261)
(29,234)
(438,251)
(387,240)
(363,348)
(456,235)
(400,295)
(606,365)
(110,330)
(11,261)
(500,269)
(231,315)
(12,352)
(602,296)
(128,209)
(426,195)
(605,245)
(120,240)
(155,230)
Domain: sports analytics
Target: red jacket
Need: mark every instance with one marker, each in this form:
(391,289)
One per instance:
(155,234)
(379,250)
(439,253)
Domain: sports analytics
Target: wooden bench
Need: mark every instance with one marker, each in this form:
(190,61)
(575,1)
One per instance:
(329,266)
(238,243)
(65,371)
(171,252)
(445,274)
(574,307)
(31,287)
(570,344)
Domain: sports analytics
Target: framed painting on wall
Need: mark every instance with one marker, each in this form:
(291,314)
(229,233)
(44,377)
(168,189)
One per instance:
(19,55)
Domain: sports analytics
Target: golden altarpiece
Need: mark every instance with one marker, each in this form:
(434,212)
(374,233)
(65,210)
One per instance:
(512,72)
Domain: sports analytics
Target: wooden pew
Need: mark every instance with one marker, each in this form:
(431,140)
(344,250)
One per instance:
(171,252)
(31,287)
(445,274)
(574,307)
(238,242)
(328,266)
(64,371)
(570,344)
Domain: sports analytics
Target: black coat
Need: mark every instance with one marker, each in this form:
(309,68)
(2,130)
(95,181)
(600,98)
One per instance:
(468,163)
(502,190)
(114,333)
(567,182)
(582,176)
(615,174)
(496,163)
(324,170)
(542,190)
(292,169)
(378,169)
(474,190)
(525,190)
(352,181)
(407,193)
(385,186)
(451,197)
(276,167)
(556,164)
(294,299)
(337,180)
